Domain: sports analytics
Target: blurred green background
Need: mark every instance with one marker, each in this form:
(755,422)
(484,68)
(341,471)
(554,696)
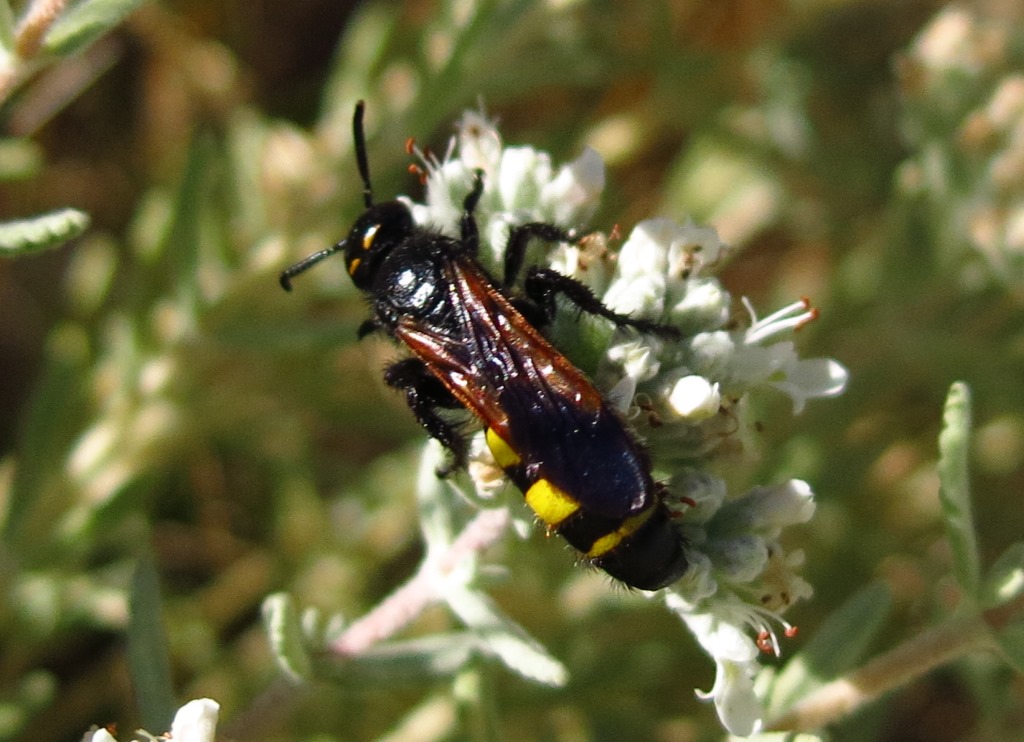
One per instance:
(163,399)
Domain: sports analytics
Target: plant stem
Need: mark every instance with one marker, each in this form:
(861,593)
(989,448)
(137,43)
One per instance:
(35,24)
(409,601)
(955,638)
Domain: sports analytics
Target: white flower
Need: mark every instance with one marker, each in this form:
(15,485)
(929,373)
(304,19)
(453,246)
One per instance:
(520,185)
(951,42)
(576,188)
(744,582)
(735,701)
(770,509)
(735,656)
(196,721)
(695,398)
(637,359)
(778,364)
(656,266)
(98,735)
(479,142)
(747,359)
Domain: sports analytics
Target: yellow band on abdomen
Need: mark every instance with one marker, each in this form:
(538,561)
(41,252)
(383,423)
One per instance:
(500,450)
(549,503)
(629,526)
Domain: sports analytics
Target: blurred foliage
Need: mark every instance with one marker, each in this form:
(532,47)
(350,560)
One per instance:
(168,403)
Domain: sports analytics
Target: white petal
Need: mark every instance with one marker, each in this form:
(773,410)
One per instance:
(730,641)
(196,721)
(522,171)
(813,378)
(735,701)
(703,303)
(621,395)
(479,142)
(640,296)
(740,558)
(695,398)
(778,506)
(701,243)
(637,359)
(950,42)
(98,735)
(715,355)
(576,191)
(705,491)
(646,249)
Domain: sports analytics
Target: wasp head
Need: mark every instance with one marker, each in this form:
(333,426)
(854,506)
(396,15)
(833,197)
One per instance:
(380,229)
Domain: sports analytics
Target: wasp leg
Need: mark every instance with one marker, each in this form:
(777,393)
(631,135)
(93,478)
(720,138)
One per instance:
(426,395)
(368,327)
(469,231)
(518,240)
(543,285)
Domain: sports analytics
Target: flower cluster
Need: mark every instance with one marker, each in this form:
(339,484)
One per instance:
(686,397)
(964,120)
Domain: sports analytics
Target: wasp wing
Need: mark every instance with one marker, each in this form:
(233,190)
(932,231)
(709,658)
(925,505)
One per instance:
(504,371)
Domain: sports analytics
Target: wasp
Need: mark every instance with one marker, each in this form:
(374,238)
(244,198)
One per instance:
(475,345)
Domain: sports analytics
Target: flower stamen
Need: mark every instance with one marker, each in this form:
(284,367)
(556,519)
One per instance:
(791,317)
(767,640)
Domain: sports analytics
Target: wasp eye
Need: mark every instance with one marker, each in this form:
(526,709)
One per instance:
(369,235)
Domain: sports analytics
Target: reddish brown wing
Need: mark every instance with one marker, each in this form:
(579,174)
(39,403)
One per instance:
(500,368)
(494,350)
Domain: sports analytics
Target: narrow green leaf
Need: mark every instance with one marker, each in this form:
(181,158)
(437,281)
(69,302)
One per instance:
(85,22)
(835,648)
(504,638)
(286,636)
(1003,596)
(6,26)
(50,424)
(192,201)
(955,491)
(432,497)
(432,657)
(148,657)
(1010,638)
(435,712)
(42,232)
(365,45)
(20,158)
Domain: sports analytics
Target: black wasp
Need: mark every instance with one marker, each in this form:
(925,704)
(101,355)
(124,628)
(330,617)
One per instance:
(473,347)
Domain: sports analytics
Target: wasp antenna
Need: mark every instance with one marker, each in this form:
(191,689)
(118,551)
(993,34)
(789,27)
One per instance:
(305,264)
(360,142)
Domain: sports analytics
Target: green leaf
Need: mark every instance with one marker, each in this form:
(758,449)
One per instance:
(286,636)
(19,158)
(85,22)
(504,638)
(363,49)
(192,202)
(955,491)
(148,658)
(42,232)
(50,425)
(6,26)
(837,647)
(431,657)
(1003,597)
